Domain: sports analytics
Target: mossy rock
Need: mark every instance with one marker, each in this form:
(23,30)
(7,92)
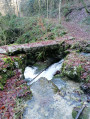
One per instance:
(76,67)
(81,46)
(8,68)
(73,73)
(8,61)
(1,86)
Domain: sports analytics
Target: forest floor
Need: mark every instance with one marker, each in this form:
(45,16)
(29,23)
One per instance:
(76,31)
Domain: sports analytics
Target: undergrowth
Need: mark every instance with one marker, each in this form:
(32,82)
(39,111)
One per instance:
(22,30)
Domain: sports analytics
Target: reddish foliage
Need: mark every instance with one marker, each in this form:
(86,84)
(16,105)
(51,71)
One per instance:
(11,91)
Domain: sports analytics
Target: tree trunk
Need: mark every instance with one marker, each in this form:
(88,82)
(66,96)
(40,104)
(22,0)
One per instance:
(60,11)
(47,9)
(17,9)
(39,7)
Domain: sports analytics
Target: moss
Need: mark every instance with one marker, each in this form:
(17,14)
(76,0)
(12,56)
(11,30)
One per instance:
(9,61)
(1,86)
(84,114)
(3,80)
(18,61)
(81,46)
(5,76)
(21,101)
(43,53)
(10,64)
(88,78)
(73,67)
(73,73)
(74,114)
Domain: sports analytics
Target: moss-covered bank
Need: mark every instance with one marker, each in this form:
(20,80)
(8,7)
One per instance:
(76,67)
(8,66)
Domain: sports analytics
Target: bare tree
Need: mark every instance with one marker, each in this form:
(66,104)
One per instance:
(47,9)
(60,10)
(7,7)
(39,6)
(17,9)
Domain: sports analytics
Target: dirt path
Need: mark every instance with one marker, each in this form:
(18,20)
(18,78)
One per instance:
(76,31)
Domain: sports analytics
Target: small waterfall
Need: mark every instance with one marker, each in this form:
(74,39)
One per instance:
(30,72)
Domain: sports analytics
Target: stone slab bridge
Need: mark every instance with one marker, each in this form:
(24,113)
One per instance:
(10,49)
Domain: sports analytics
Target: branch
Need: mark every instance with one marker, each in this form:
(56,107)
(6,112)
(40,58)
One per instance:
(80,111)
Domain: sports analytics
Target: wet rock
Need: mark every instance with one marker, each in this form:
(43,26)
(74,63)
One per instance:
(86,87)
(46,104)
(57,72)
(1,86)
(88,98)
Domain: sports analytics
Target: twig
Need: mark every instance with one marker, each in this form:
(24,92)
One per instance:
(38,74)
(80,111)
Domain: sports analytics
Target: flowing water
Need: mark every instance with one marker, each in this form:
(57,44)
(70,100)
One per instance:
(30,72)
(52,99)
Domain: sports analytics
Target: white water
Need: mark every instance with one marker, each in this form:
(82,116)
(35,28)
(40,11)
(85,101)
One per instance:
(48,73)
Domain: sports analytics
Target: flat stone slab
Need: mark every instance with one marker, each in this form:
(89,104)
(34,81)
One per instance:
(45,104)
(13,48)
(23,47)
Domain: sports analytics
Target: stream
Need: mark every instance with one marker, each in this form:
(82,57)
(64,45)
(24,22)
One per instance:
(53,97)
